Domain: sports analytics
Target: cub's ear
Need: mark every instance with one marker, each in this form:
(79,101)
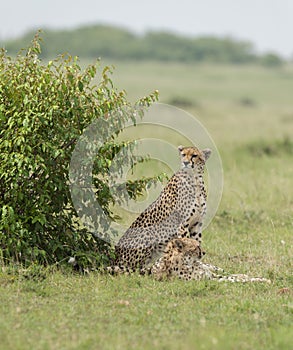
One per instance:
(180,148)
(178,244)
(207,152)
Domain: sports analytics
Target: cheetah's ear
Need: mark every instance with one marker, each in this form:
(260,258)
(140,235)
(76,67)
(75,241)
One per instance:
(207,152)
(180,148)
(178,244)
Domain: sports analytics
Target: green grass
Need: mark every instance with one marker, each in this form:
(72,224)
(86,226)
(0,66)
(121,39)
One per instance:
(249,113)
(101,312)
(217,95)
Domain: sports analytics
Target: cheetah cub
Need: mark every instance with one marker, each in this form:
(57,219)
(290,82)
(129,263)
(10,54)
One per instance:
(181,260)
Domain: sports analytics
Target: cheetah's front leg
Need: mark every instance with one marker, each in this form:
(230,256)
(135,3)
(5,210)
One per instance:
(195,231)
(188,230)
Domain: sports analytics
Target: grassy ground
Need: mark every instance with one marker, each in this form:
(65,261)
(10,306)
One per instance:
(249,113)
(234,103)
(101,312)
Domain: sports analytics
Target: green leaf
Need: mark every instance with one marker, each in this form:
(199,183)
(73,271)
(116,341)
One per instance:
(80,86)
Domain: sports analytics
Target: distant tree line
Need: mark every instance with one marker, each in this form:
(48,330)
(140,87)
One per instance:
(117,43)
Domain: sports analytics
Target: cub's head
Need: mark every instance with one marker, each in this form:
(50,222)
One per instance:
(186,248)
(192,157)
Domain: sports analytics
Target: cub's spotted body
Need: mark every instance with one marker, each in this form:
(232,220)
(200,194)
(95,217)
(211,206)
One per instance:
(178,212)
(181,260)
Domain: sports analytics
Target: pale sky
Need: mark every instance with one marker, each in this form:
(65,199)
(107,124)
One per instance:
(266,23)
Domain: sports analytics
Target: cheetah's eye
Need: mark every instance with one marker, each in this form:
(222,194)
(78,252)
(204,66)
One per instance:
(183,154)
(194,156)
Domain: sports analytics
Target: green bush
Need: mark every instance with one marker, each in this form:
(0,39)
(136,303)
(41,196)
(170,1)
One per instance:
(271,60)
(273,148)
(44,109)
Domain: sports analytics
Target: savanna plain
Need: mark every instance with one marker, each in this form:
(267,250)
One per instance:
(248,112)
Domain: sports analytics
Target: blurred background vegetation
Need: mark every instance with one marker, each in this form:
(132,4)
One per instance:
(118,43)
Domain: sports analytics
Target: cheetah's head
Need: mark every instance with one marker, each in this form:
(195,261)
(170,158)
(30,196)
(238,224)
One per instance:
(186,249)
(192,157)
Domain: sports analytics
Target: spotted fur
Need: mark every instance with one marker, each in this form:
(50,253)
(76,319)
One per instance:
(178,212)
(181,260)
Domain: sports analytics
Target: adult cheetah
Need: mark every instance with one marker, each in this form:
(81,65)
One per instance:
(177,212)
